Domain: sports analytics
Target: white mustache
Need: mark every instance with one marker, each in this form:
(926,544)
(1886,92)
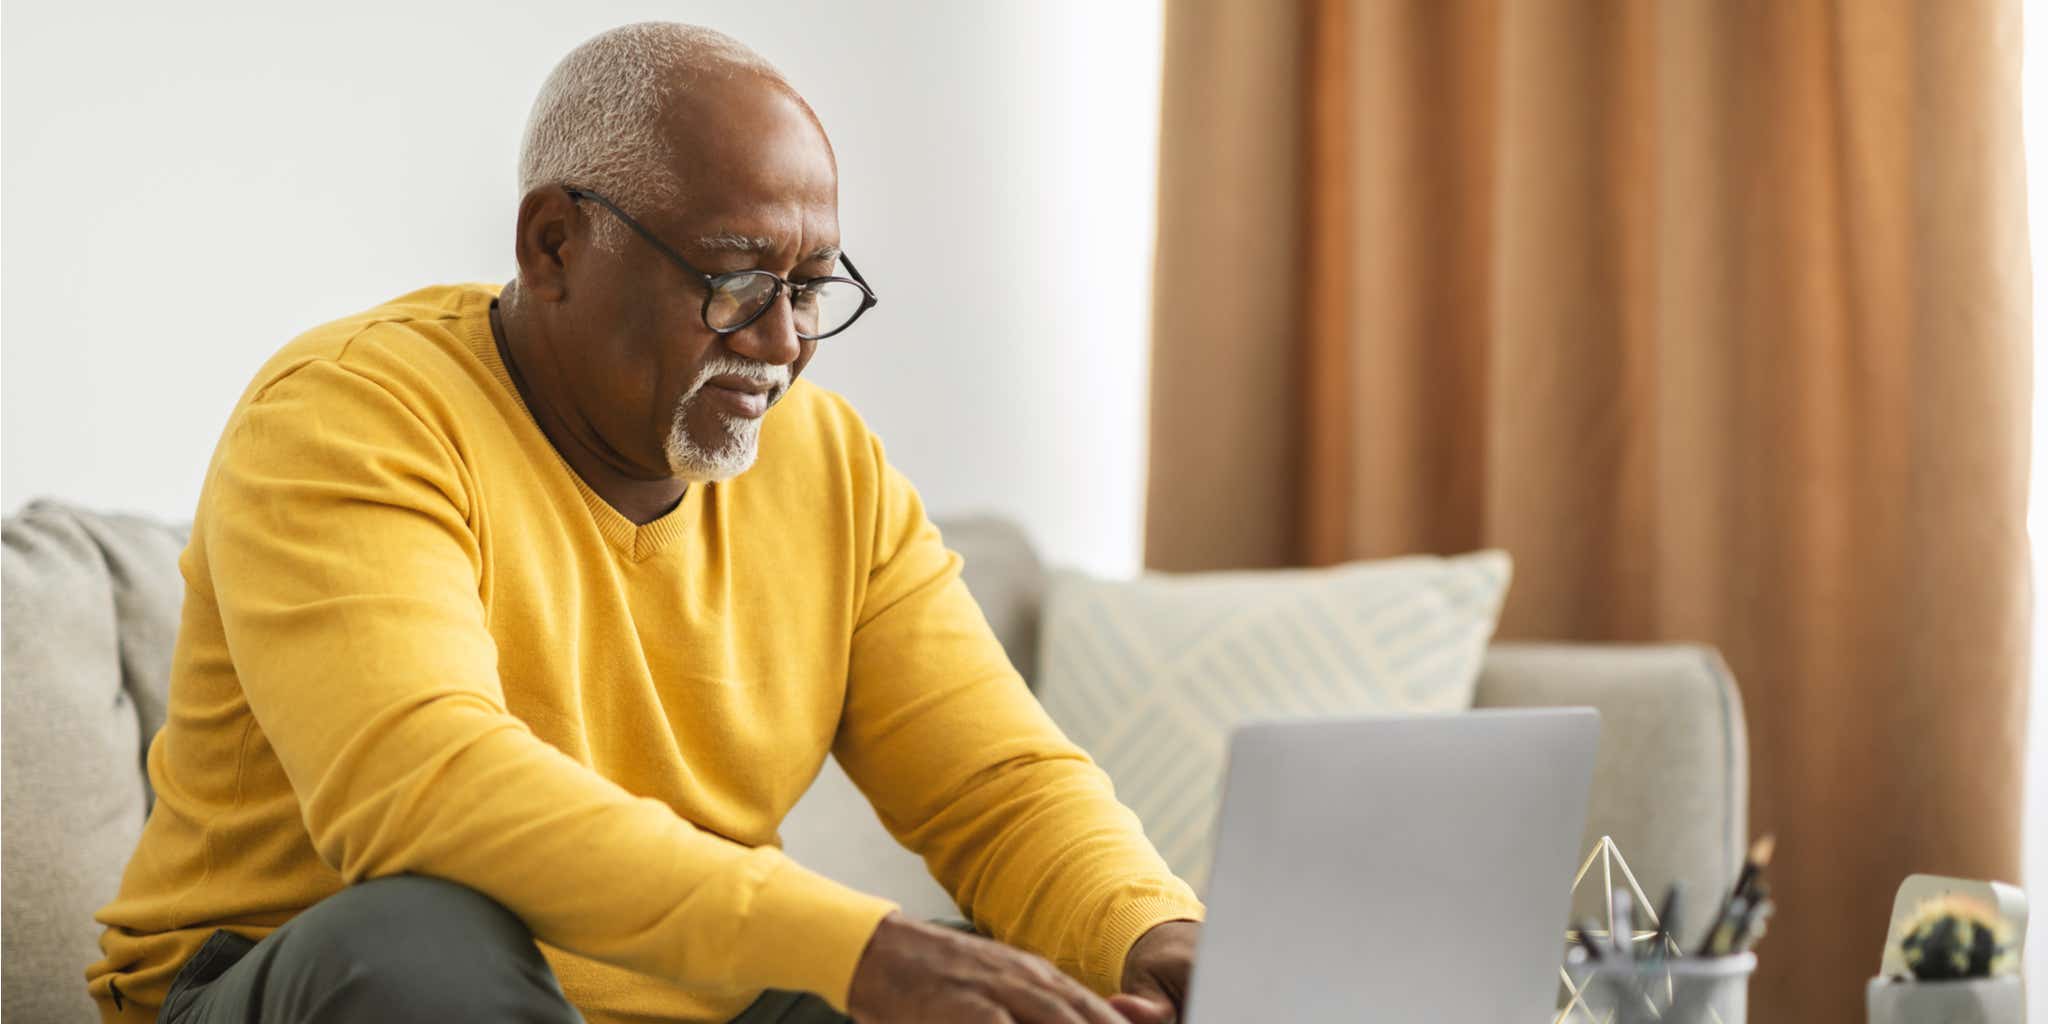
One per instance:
(777,377)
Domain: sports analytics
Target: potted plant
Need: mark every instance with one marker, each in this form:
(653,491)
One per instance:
(1959,968)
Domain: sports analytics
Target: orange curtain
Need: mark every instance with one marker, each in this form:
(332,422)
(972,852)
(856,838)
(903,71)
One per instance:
(1713,313)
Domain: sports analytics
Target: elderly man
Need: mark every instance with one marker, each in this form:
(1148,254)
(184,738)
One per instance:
(516,621)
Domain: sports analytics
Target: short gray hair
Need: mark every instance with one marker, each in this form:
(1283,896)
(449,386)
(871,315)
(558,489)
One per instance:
(597,120)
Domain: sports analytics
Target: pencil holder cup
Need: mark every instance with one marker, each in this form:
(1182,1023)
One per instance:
(1695,990)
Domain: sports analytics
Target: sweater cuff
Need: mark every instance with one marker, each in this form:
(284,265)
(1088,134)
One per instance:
(822,929)
(1103,970)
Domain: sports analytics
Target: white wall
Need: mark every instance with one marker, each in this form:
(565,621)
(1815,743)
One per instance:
(188,186)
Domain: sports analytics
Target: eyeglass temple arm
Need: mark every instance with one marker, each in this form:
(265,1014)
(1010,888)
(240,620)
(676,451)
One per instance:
(871,298)
(640,229)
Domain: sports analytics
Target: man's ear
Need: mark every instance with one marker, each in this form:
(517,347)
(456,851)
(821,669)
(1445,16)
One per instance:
(548,220)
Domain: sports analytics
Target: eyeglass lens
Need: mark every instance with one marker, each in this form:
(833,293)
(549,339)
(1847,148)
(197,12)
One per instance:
(821,307)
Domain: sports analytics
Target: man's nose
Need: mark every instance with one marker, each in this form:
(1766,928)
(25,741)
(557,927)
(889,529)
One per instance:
(771,338)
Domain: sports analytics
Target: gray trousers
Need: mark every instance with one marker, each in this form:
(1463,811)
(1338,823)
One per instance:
(399,950)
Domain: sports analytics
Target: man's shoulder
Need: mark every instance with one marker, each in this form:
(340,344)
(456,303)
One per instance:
(413,346)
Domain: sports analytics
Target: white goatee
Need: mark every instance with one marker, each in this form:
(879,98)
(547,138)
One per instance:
(695,463)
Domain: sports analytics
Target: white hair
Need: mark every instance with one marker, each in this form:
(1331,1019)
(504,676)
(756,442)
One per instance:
(597,120)
(693,462)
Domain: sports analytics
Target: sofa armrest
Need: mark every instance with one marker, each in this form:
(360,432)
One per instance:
(1672,781)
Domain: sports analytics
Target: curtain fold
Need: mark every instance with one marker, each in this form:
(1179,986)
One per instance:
(1713,314)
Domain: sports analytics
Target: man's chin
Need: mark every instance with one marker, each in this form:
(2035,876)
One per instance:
(708,474)
(694,462)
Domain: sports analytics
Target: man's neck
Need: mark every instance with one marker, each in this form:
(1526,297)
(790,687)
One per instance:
(639,499)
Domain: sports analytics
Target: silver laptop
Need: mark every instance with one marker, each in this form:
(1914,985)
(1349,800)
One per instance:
(1407,868)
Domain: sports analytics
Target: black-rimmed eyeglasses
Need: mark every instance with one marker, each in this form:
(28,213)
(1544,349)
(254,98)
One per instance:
(821,306)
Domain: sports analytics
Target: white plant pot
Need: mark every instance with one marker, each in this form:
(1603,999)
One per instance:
(1978,1001)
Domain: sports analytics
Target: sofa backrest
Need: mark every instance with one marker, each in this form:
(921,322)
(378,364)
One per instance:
(89,615)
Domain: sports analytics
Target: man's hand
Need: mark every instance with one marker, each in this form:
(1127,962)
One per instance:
(1155,982)
(913,971)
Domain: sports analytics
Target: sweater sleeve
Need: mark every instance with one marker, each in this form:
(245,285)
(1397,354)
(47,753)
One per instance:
(336,533)
(965,769)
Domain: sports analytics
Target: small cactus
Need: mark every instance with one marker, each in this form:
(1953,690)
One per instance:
(1954,937)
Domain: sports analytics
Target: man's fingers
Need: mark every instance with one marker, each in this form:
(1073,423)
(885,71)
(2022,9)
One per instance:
(1142,1009)
(1046,987)
(1032,1003)
(990,1013)
(1093,1008)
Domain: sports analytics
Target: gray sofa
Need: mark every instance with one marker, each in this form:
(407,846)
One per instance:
(91,609)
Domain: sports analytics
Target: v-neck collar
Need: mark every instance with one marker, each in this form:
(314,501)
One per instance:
(637,542)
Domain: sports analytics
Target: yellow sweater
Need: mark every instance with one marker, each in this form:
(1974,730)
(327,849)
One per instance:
(415,641)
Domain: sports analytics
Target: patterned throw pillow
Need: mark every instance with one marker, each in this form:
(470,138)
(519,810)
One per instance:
(1150,675)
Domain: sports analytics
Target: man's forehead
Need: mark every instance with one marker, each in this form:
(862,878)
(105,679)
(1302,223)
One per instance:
(742,124)
(753,245)
(757,167)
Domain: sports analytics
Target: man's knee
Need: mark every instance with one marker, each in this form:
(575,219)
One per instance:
(406,911)
(410,947)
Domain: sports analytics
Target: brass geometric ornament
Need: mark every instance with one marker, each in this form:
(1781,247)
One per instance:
(1608,856)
